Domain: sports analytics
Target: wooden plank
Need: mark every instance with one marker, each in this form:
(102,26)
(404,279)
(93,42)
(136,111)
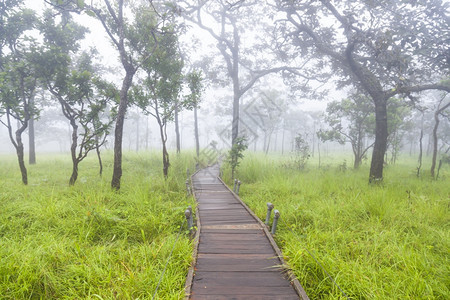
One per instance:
(239,263)
(199,289)
(214,229)
(230,237)
(247,297)
(230,249)
(238,279)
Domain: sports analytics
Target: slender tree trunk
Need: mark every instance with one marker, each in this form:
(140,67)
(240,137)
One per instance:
(118,137)
(100,163)
(20,157)
(197,141)
(99,157)
(177,128)
(235,123)
(74,176)
(282,142)
(31,139)
(435,143)
(73,153)
(381,134)
(420,149)
(435,137)
(166,163)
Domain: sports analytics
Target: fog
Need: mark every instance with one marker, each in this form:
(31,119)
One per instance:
(270,124)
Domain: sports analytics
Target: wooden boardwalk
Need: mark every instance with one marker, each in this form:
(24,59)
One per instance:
(235,258)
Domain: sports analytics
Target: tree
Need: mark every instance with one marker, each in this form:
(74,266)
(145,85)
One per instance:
(131,39)
(83,101)
(441,107)
(385,48)
(82,96)
(351,120)
(236,154)
(158,94)
(194,82)
(245,64)
(17,74)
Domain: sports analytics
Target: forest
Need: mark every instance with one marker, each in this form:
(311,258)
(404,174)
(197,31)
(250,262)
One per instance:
(336,111)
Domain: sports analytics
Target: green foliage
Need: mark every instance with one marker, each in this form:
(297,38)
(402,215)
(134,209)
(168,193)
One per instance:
(301,154)
(236,154)
(378,242)
(194,82)
(87,241)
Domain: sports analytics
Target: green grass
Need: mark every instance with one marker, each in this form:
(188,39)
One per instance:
(378,242)
(87,241)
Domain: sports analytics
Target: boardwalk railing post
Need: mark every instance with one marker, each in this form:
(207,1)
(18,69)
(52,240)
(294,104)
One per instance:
(188,188)
(275,220)
(238,187)
(189,217)
(269,211)
(234,187)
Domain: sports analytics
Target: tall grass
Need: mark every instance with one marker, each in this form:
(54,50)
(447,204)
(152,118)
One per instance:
(378,242)
(87,241)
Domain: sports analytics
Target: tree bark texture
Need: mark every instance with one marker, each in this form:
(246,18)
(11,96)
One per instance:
(118,131)
(435,143)
(381,135)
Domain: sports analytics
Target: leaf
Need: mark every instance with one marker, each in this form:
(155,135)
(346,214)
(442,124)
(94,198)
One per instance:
(80,4)
(90,13)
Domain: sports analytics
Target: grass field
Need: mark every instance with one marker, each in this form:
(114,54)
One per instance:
(86,241)
(378,242)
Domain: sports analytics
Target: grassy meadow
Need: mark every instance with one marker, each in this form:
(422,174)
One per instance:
(389,241)
(86,241)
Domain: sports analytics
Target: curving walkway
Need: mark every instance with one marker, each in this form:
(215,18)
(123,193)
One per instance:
(236,257)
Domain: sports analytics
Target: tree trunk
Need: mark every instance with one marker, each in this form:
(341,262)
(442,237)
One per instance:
(166,163)
(381,135)
(435,143)
(235,123)
(420,151)
(357,163)
(99,157)
(435,137)
(197,141)
(117,169)
(74,176)
(31,139)
(20,157)
(73,152)
(177,128)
